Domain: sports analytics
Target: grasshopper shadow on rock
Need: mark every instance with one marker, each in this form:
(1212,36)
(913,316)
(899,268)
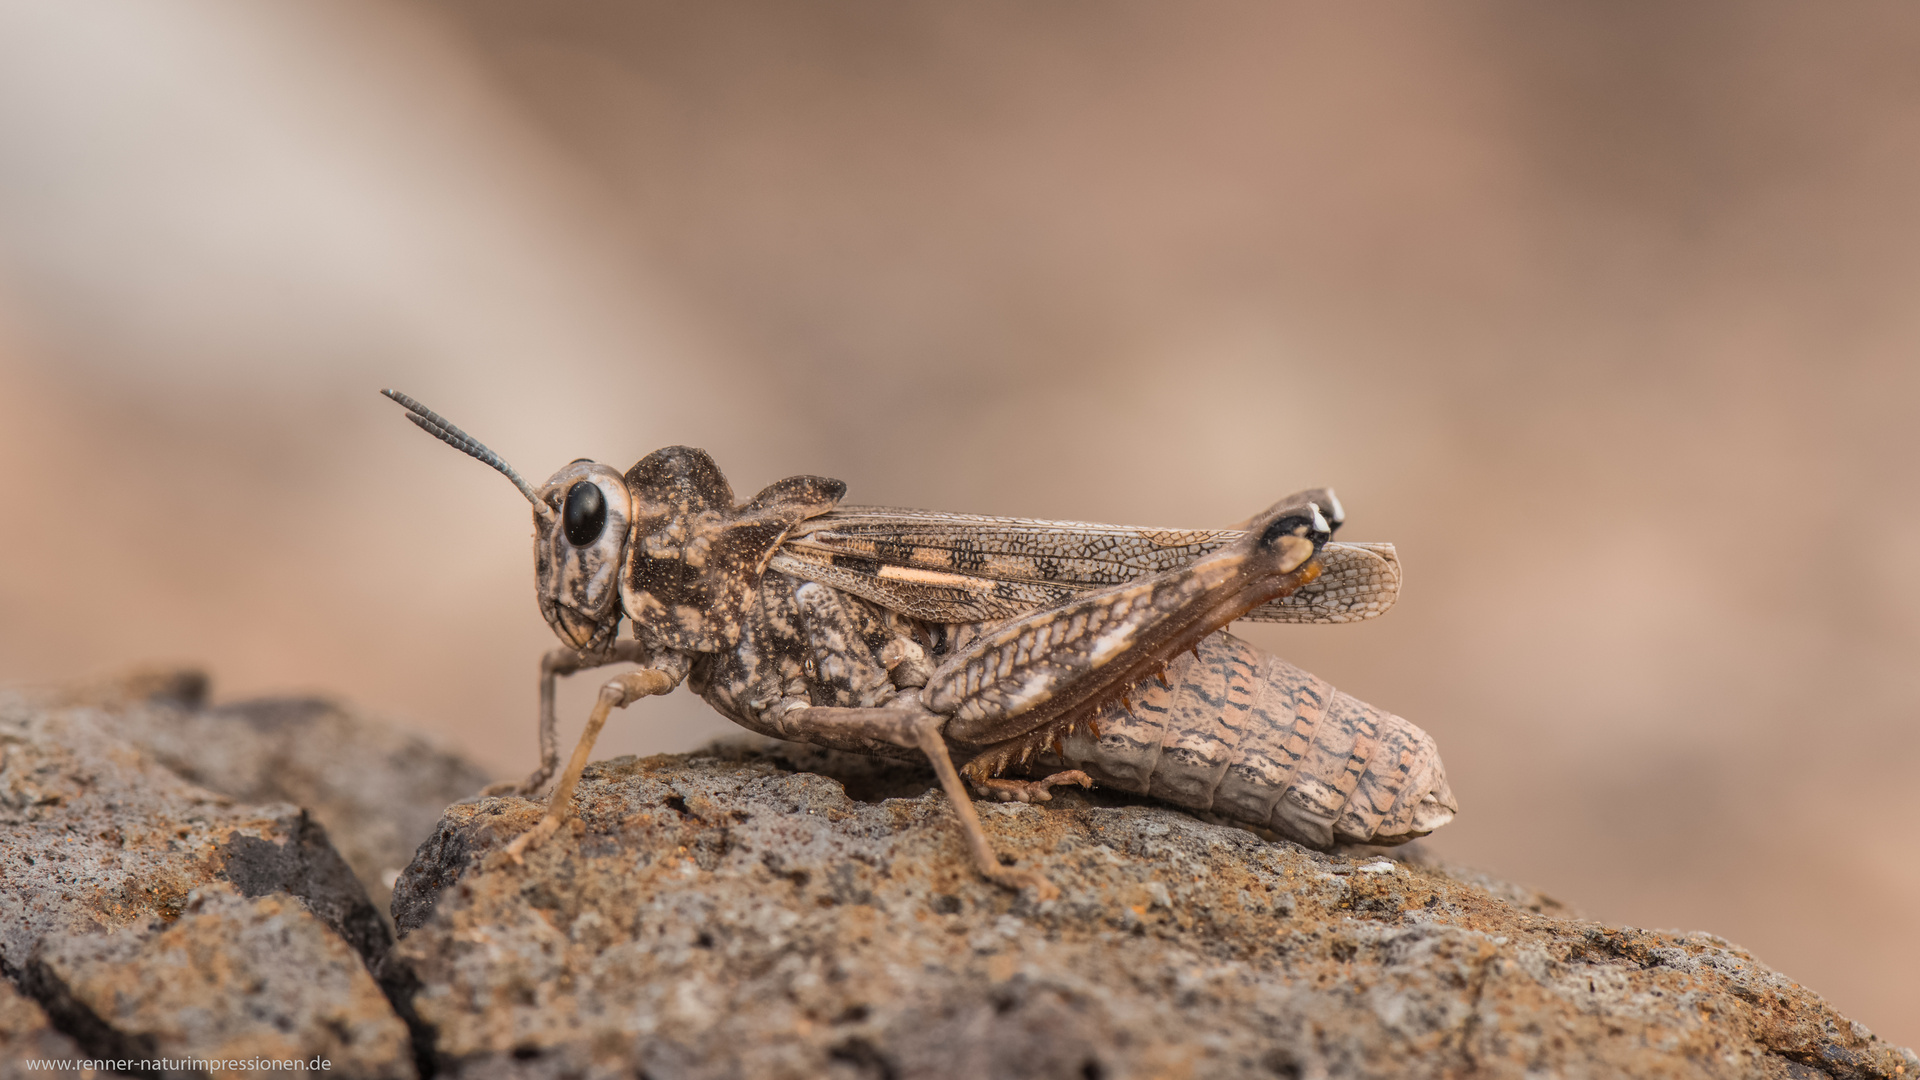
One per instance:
(1094,651)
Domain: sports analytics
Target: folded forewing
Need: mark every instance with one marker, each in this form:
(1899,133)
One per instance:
(958,568)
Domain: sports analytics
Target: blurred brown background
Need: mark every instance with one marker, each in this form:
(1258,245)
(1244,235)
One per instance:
(1605,313)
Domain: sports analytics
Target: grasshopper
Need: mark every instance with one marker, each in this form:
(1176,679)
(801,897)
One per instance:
(1006,643)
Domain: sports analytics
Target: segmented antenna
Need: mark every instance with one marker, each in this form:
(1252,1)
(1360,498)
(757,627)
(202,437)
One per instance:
(438,426)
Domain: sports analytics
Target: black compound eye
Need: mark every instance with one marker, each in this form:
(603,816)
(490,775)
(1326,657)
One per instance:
(585,517)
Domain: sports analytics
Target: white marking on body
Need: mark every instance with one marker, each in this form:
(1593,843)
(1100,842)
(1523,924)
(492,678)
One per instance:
(933,577)
(1112,642)
(1035,691)
(601,573)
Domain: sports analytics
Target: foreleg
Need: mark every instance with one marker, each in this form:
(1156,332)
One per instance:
(616,694)
(554,664)
(916,729)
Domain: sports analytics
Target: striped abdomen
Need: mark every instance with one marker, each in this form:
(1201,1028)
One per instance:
(1246,735)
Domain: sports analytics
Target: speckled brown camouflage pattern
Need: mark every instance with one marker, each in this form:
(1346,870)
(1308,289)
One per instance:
(695,557)
(999,642)
(1245,734)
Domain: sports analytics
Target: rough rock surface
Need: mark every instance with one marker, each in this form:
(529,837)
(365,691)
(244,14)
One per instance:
(260,978)
(26,1033)
(722,914)
(766,909)
(99,836)
(103,853)
(378,789)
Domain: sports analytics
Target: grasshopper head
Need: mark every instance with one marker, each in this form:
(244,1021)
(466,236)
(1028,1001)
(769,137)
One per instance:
(581,521)
(578,552)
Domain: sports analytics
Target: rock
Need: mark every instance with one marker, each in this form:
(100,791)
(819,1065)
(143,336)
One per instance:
(185,687)
(377,788)
(768,909)
(721,914)
(25,1033)
(233,977)
(100,836)
(103,853)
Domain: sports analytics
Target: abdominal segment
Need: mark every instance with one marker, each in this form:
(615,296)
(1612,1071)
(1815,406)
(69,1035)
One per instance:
(1246,735)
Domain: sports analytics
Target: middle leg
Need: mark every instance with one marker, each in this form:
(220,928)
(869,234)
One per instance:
(916,729)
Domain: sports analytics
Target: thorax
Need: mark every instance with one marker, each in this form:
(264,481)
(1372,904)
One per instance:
(783,656)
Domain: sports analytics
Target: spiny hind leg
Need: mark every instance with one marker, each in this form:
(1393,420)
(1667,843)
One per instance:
(860,729)
(1028,681)
(618,693)
(556,663)
(1030,791)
